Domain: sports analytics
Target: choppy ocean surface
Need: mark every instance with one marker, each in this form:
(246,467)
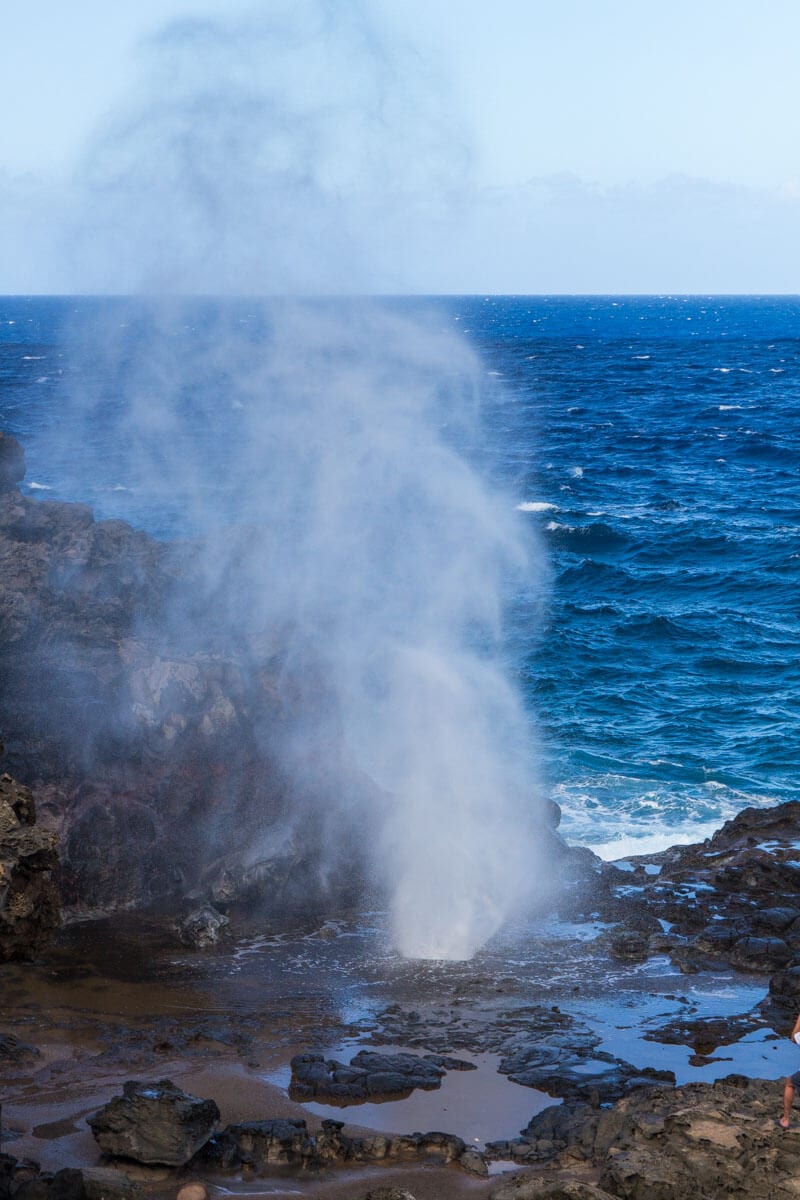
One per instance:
(653,443)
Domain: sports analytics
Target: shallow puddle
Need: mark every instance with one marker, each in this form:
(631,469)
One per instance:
(480,1106)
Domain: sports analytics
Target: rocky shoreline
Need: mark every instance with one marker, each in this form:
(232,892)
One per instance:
(189,978)
(618,1127)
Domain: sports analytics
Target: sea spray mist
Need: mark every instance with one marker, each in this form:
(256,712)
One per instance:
(329,443)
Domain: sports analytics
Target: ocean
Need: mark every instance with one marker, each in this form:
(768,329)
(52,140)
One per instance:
(652,445)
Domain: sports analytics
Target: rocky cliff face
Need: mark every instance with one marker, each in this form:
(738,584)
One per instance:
(162,754)
(29,904)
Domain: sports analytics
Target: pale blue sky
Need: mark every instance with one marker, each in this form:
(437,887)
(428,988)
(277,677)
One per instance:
(611,145)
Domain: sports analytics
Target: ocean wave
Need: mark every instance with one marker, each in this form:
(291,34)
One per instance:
(585,539)
(536,506)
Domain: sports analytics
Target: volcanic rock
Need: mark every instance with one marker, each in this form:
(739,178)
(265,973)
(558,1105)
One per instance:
(202,928)
(12,463)
(144,708)
(560,1057)
(370,1076)
(154,1123)
(732,899)
(287,1142)
(29,902)
(695,1142)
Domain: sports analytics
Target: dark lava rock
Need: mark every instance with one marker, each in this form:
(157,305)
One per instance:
(140,701)
(760,953)
(733,898)
(450,1064)
(561,1058)
(29,900)
(202,928)
(25,1180)
(12,463)
(154,1123)
(704,1035)
(784,991)
(284,1142)
(12,1050)
(696,1142)
(370,1076)
(629,946)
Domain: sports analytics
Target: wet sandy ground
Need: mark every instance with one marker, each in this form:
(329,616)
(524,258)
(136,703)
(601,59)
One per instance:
(116,1001)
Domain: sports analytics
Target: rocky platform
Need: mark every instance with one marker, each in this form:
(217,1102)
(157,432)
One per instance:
(696,1142)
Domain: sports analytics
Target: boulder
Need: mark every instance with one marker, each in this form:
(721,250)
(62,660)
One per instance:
(202,928)
(154,1123)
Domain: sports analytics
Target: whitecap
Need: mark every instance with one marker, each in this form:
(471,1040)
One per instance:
(39,487)
(730,407)
(576,472)
(641,357)
(33,357)
(537,506)
(626,845)
(723,370)
(43,379)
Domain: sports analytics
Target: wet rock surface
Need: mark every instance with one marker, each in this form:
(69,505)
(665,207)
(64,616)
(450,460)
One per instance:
(733,899)
(29,897)
(154,1123)
(369,1076)
(259,1145)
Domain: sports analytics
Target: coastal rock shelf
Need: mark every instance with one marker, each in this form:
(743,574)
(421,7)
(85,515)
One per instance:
(689,1143)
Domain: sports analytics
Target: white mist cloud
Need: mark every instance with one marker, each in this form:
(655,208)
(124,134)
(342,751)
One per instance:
(281,154)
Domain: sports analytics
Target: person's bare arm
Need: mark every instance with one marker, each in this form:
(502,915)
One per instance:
(796,1028)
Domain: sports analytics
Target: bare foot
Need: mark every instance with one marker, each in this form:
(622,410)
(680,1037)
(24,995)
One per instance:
(783,1122)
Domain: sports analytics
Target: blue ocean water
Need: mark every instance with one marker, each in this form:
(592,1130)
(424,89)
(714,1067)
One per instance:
(652,442)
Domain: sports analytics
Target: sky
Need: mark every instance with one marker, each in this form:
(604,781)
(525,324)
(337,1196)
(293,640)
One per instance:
(579,146)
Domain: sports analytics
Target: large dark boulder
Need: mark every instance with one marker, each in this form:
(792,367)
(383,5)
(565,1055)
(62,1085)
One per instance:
(154,1123)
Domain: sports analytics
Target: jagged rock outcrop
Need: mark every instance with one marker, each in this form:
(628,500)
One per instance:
(696,1142)
(154,1123)
(287,1142)
(733,899)
(25,1180)
(29,900)
(158,728)
(370,1075)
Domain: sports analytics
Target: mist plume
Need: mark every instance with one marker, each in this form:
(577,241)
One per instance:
(329,442)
